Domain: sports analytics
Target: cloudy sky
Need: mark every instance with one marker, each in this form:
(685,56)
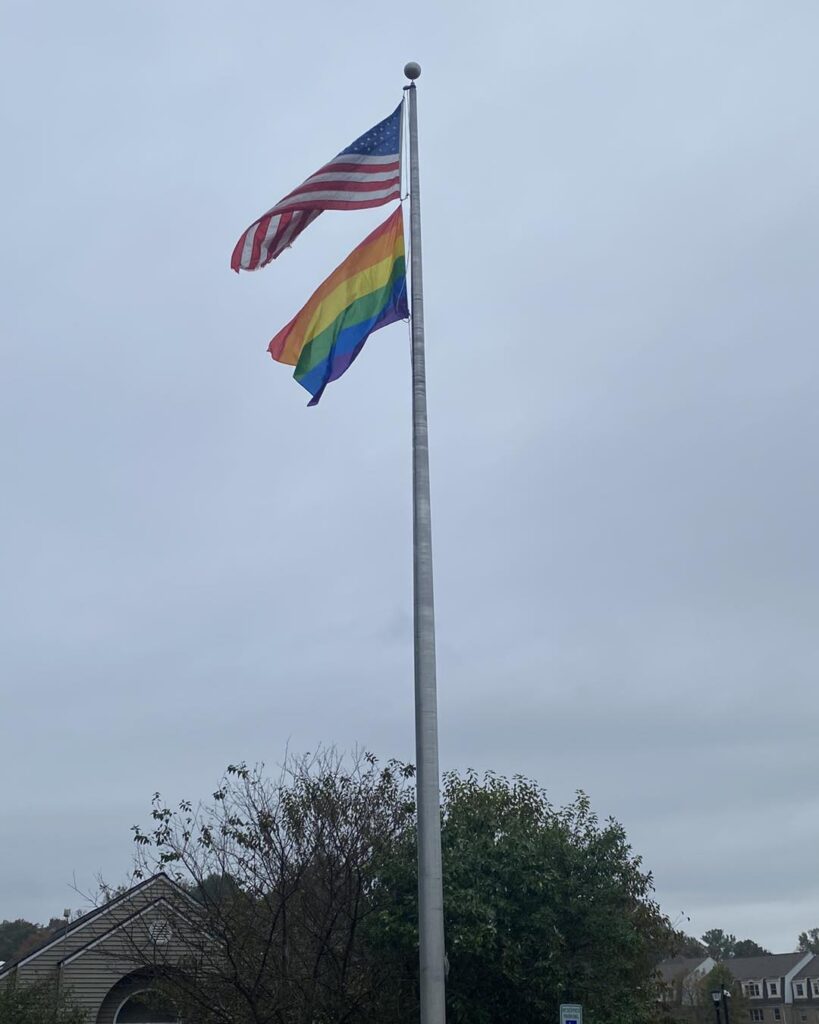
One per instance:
(621,230)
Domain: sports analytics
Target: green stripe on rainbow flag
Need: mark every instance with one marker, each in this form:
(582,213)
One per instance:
(366,292)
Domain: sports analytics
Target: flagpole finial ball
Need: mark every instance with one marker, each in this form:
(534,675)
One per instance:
(412,70)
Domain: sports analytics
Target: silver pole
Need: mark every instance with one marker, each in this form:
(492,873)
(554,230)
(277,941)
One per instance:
(430,885)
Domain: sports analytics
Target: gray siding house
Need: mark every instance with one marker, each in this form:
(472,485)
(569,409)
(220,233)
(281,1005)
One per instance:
(680,978)
(779,987)
(95,957)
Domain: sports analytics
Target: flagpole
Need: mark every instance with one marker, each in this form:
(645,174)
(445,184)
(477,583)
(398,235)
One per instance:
(430,883)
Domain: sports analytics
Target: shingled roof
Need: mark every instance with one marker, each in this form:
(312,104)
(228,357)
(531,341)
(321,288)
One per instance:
(810,970)
(679,967)
(775,965)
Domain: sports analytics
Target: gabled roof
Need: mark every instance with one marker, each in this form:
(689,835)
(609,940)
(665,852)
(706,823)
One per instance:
(124,923)
(811,968)
(775,965)
(679,967)
(92,915)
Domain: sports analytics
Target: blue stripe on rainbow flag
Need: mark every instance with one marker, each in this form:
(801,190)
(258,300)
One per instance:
(351,340)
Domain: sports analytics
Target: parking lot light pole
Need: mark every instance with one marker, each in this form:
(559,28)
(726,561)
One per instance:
(726,995)
(716,995)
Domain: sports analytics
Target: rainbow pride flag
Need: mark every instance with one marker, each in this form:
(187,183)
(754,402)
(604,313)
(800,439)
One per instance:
(367,291)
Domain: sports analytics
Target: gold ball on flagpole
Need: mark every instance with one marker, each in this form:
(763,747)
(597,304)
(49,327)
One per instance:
(412,70)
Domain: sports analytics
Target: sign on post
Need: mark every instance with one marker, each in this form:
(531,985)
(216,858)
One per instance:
(571,1013)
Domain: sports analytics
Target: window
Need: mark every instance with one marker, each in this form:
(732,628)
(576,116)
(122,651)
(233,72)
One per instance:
(146,1006)
(159,933)
(799,989)
(757,1014)
(815,984)
(777,1013)
(773,987)
(753,989)
(803,1014)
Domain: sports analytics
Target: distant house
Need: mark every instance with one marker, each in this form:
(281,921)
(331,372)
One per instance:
(771,983)
(782,987)
(778,988)
(95,957)
(680,979)
(805,992)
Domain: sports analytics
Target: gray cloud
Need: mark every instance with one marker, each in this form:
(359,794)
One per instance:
(620,229)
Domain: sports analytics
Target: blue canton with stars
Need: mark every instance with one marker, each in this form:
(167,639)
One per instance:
(382,140)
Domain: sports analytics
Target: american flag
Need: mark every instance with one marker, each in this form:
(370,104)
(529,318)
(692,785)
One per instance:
(366,173)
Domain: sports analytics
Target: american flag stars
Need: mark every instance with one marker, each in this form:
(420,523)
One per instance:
(365,174)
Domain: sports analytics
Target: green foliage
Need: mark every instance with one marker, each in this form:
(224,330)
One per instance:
(19,937)
(687,945)
(662,1014)
(747,947)
(12,936)
(307,888)
(718,977)
(809,941)
(542,906)
(281,871)
(721,978)
(37,1003)
(718,944)
(722,946)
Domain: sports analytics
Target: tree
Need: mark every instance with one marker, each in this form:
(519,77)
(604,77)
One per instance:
(37,1003)
(720,977)
(54,927)
(542,906)
(809,941)
(276,887)
(722,946)
(12,936)
(687,945)
(305,901)
(719,945)
(19,937)
(747,947)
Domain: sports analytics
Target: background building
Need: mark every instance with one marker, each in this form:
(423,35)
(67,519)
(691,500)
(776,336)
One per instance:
(94,956)
(779,988)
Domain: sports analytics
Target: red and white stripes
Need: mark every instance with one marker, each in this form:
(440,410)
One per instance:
(351,181)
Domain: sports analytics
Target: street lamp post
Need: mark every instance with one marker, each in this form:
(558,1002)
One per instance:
(726,995)
(716,996)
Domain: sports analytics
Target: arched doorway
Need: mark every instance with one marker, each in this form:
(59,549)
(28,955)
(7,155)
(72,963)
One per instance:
(145,1007)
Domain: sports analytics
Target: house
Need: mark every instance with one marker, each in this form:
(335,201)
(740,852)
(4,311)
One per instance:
(778,988)
(97,957)
(781,988)
(805,992)
(680,978)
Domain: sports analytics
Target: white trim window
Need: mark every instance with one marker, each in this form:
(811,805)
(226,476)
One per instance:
(773,988)
(815,986)
(757,1014)
(777,1013)
(799,990)
(753,989)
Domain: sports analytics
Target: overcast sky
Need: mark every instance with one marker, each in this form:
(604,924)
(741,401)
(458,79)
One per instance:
(621,239)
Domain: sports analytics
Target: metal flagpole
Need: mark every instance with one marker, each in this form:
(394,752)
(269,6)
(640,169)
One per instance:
(430,885)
